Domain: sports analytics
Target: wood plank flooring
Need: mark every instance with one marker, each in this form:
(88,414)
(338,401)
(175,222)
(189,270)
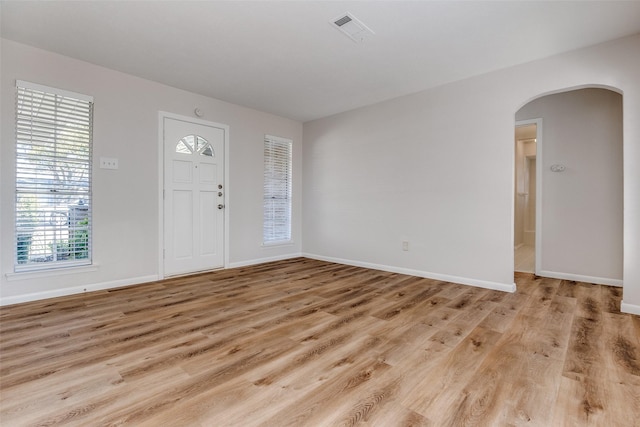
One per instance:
(309,343)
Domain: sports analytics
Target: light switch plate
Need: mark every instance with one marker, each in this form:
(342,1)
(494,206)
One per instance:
(108,163)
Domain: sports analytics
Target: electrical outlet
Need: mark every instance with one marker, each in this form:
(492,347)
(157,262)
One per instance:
(108,163)
(405,246)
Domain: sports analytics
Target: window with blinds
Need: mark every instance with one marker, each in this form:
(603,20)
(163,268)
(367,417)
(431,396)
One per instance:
(277,190)
(53,177)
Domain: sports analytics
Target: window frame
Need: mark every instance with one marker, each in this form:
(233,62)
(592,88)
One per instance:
(274,233)
(54,172)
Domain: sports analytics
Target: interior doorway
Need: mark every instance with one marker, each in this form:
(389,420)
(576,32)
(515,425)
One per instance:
(579,191)
(525,197)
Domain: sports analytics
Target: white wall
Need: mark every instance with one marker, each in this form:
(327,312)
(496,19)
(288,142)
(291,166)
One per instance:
(582,206)
(437,169)
(126,201)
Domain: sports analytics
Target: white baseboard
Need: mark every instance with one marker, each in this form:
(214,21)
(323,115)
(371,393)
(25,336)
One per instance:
(76,290)
(630,308)
(580,278)
(419,273)
(118,283)
(263,260)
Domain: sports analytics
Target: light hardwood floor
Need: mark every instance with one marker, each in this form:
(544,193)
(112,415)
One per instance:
(305,342)
(525,259)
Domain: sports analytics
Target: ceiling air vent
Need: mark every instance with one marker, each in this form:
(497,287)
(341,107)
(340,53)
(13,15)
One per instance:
(352,27)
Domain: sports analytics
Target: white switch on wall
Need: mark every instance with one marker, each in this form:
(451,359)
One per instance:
(108,163)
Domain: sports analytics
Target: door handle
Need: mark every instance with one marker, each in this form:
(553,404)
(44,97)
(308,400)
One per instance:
(220,206)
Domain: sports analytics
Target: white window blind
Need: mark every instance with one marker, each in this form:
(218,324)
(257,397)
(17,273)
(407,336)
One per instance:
(53,177)
(277,190)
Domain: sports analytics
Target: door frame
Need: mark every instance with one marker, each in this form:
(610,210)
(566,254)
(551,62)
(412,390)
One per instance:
(162,115)
(538,250)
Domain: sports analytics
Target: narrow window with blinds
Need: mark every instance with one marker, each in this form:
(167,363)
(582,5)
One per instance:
(53,178)
(277,190)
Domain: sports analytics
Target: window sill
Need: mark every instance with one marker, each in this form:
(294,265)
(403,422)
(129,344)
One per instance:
(281,243)
(37,274)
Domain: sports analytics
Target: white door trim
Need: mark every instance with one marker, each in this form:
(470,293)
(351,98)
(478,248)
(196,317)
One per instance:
(538,123)
(161,116)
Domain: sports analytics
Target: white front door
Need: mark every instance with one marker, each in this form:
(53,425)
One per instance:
(193,196)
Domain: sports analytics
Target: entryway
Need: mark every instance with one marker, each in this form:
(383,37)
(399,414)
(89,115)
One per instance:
(579,193)
(194,195)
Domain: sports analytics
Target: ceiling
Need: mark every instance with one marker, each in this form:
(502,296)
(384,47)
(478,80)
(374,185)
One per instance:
(526,132)
(285,58)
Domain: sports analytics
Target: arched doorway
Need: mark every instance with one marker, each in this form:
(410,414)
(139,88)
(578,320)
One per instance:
(579,223)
